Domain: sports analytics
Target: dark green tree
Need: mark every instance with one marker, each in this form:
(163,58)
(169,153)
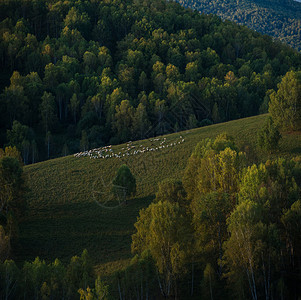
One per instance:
(48,142)
(74,106)
(9,277)
(12,187)
(172,191)
(163,229)
(4,246)
(79,274)
(269,136)
(124,184)
(17,135)
(259,250)
(124,120)
(84,142)
(48,110)
(285,105)
(140,121)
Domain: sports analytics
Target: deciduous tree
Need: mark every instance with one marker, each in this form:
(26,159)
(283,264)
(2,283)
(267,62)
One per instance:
(48,110)
(124,183)
(285,104)
(162,228)
(269,136)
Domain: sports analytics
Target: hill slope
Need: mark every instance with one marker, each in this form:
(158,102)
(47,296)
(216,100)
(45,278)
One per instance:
(104,72)
(280,19)
(66,205)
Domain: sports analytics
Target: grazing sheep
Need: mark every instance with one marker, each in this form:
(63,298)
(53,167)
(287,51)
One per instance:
(107,151)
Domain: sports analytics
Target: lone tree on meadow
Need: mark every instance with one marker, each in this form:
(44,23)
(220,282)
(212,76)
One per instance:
(124,184)
(285,105)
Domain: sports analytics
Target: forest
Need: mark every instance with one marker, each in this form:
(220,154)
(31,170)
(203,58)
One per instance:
(279,19)
(224,219)
(228,229)
(81,74)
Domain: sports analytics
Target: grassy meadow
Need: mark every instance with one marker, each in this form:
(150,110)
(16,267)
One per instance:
(70,207)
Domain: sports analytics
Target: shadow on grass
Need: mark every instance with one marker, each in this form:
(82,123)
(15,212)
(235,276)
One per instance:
(64,230)
(296,150)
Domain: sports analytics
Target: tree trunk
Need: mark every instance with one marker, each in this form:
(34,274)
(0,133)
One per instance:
(192,278)
(119,290)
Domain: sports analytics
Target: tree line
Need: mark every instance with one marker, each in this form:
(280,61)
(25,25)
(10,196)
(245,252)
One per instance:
(12,199)
(39,280)
(79,75)
(227,230)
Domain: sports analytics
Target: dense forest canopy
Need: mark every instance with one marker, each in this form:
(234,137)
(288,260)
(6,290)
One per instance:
(81,74)
(279,19)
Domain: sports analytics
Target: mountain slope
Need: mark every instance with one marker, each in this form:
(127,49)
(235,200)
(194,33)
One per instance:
(103,72)
(67,204)
(279,19)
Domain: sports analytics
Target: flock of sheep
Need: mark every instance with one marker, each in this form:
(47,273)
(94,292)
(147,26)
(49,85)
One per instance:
(130,149)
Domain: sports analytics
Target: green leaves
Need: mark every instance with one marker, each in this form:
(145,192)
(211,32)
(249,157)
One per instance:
(188,68)
(285,105)
(48,110)
(124,184)
(258,242)
(172,191)
(269,136)
(163,229)
(5,247)
(12,187)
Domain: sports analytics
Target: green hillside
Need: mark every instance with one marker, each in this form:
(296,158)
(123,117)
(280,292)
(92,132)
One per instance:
(279,19)
(68,209)
(87,73)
